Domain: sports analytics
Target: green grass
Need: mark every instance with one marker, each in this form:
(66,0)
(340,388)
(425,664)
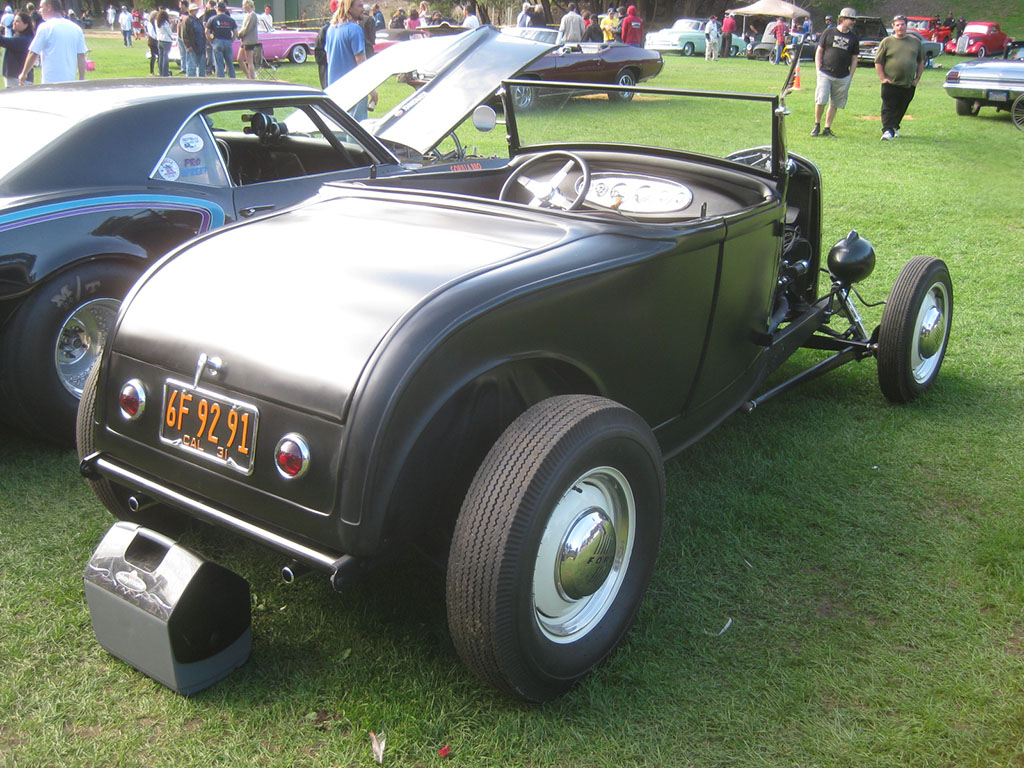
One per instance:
(870,557)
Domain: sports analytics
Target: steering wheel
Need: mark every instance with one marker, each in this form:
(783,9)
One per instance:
(545,192)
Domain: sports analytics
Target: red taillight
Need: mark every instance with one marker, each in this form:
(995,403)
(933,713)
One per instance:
(953,76)
(292,456)
(132,399)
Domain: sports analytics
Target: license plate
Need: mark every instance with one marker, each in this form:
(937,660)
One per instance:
(210,425)
(998,95)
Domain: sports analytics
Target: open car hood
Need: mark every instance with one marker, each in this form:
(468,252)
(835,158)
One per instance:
(461,71)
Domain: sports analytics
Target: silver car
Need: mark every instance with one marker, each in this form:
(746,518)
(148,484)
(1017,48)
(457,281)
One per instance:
(995,83)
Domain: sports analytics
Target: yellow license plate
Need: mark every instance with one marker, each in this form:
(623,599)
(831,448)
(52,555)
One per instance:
(210,425)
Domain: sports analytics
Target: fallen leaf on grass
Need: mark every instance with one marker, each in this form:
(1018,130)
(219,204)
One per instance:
(377,743)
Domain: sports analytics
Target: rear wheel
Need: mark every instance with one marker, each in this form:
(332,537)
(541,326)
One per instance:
(966,108)
(298,54)
(53,341)
(119,501)
(915,329)
(524,97)
(688,49)
(626,78)
(555,545)
(1017,112)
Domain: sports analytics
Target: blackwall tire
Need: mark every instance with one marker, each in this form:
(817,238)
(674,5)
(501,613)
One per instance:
(966,107)
(555,545)
(114,497)
(52,342)
(915,328)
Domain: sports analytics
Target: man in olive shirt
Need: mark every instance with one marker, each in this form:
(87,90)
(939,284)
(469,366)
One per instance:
(899,64)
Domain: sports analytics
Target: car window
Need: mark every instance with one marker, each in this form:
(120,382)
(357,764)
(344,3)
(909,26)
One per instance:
(192,158)
(267,142)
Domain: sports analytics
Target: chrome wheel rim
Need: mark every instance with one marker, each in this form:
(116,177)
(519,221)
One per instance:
(522,96)
(930,333)
(81,340)
(584,553)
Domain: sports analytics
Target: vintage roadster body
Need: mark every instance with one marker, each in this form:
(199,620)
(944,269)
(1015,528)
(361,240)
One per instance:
(491,365)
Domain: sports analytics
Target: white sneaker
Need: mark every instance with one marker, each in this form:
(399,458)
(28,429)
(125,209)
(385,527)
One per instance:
(895,134)
(887,136)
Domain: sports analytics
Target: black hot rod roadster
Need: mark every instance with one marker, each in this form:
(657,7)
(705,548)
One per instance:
(492,364)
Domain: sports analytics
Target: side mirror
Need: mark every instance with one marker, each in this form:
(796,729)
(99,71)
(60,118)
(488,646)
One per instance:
(484,118)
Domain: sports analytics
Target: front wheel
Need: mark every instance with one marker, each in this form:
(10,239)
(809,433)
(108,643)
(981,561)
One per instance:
(298,54)
(53,341)
(982,53)
(555,545)
(915,329)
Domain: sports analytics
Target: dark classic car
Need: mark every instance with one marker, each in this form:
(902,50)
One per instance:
(109,175)
(499,380)
(995,83)
(871,30)
(598,63)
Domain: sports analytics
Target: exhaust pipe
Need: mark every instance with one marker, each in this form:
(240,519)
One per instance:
(291,571)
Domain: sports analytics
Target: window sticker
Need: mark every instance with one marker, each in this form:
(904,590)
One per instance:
(191,142)
(169,170)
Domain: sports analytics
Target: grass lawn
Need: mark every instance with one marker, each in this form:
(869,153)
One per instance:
(869,557)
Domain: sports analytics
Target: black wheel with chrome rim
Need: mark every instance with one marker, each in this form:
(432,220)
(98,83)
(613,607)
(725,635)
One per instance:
(52,342)
(555,545)
(915,329)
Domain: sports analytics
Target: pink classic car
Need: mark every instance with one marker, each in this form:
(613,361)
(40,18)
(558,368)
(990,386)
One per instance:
(295,45)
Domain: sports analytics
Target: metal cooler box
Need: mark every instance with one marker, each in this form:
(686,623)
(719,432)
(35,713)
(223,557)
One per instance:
(174,616)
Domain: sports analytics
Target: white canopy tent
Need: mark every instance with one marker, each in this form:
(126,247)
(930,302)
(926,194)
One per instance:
(774,8)
(771,8)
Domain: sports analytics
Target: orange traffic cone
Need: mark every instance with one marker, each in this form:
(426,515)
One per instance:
(796,78)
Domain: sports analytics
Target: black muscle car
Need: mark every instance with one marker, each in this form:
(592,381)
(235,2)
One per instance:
(499,380)
(103,177)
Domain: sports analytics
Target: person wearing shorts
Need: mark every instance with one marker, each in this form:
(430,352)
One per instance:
(835,61)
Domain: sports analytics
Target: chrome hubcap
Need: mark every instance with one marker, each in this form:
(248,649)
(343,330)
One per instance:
(586,555)
(81,340)
(930,337)
(583,555)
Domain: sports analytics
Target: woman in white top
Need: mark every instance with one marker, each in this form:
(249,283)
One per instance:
(164,38)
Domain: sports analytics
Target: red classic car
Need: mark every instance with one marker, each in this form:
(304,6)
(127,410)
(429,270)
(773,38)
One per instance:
(981,39)
(930,28)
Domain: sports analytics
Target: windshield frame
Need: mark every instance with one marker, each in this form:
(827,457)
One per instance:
(779,156)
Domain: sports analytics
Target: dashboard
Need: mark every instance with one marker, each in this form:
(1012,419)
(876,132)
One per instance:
(636,193)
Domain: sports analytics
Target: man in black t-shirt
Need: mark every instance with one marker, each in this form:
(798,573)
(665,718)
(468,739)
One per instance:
(835,61)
